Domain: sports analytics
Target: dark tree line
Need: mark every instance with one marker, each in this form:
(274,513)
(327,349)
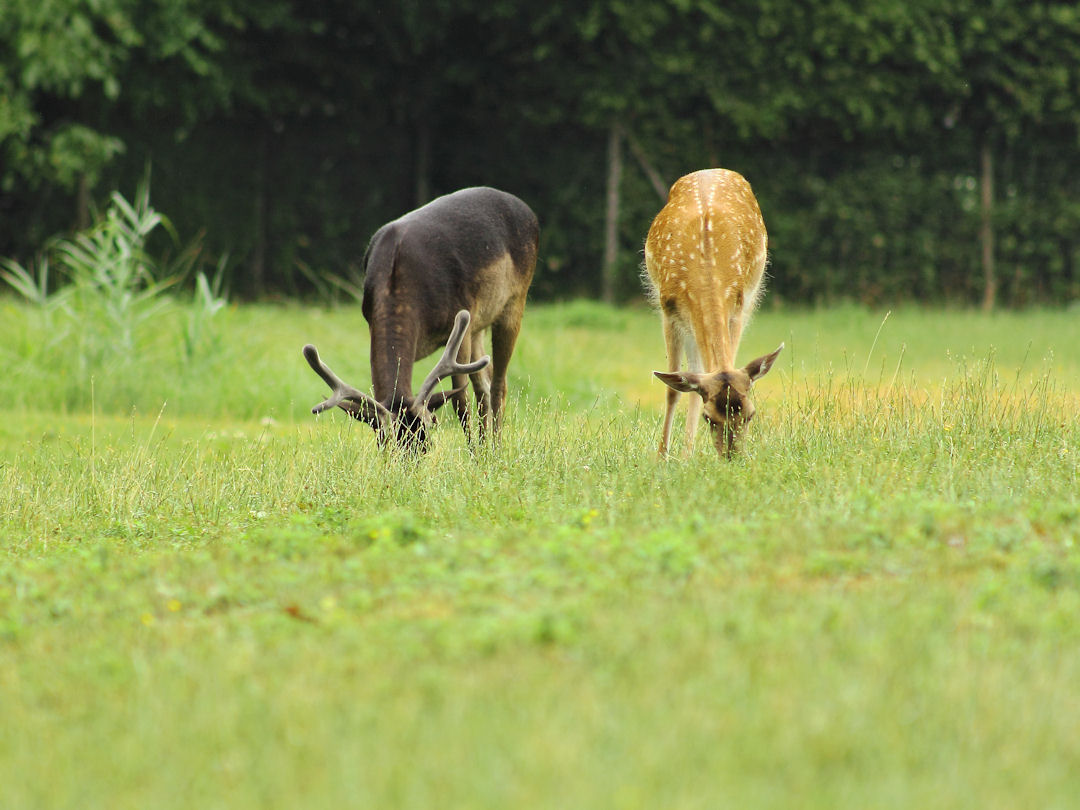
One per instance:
(905,149)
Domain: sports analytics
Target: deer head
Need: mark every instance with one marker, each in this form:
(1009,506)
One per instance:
(405,421)
(726,397)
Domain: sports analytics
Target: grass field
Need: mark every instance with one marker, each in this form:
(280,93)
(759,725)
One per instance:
(209,598)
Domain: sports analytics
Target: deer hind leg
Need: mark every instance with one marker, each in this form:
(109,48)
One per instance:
(736,322)
(673,341)
(745,304)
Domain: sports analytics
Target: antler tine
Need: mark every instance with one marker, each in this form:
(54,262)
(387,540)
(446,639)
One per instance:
(448,363)
(353,400)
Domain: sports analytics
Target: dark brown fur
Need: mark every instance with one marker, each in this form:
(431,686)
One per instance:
(472,250)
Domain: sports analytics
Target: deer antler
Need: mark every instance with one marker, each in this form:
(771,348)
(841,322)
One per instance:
(448,363)
(351,400)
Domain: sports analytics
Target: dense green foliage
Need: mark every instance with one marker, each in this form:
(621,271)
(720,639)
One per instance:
(223,602)
(289,131)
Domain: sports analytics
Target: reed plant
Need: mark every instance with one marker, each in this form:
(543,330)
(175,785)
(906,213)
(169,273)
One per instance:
(97,306)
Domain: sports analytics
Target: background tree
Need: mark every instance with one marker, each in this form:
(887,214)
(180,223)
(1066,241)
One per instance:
(288,131)
(1020,65)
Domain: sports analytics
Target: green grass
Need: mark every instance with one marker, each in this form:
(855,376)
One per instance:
(224,602)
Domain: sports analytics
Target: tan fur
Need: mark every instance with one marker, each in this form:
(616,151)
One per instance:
(705,258)
(499,310)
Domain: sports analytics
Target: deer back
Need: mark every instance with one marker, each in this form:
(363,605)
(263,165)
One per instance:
(474,249)
(705,256)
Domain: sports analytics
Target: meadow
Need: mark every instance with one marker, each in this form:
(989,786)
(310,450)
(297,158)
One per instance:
(210,598)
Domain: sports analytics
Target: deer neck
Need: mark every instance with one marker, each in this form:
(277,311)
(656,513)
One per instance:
(712,334)
(393,349)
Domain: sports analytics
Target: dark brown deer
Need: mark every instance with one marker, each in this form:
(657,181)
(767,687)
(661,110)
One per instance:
(441,274)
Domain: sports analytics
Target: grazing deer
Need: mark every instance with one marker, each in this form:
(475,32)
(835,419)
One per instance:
(441,274)
(705,257)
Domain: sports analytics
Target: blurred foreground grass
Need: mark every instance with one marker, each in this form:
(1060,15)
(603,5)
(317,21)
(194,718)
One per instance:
(220,601)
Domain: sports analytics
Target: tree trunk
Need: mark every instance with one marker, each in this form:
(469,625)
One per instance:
(611,223)
(986,228)
(82,203)
(423,163)
(259,215)
(655,180)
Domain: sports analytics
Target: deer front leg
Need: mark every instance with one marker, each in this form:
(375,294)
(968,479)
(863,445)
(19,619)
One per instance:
(472,347)
(504,334)
(743,307)
(693,412)
(673,342)
(461,402)
(735,330)
(460,383)
(481,383)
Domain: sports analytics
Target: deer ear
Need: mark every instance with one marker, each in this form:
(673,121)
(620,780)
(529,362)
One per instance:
(437,400)
(760,367)
(685,381)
